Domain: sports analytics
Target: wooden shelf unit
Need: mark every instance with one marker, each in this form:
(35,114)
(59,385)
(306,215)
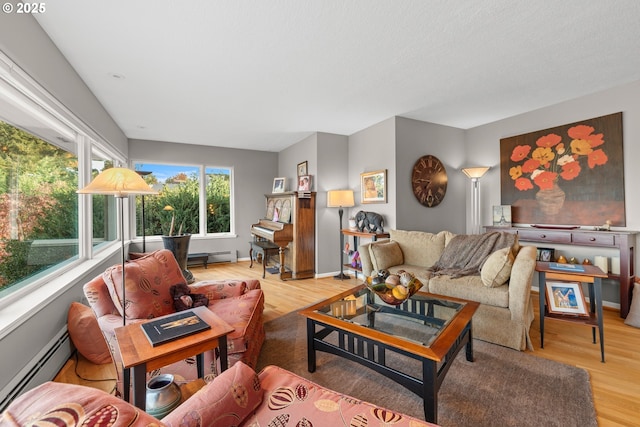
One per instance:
(623,241)
(359,234)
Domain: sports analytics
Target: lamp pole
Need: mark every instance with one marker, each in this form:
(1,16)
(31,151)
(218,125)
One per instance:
(341,276)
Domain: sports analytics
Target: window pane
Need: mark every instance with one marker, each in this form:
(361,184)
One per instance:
(38,205)
(218,200)
(104,208)
(178,187)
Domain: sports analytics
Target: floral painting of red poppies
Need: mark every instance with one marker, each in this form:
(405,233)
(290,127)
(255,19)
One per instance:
(567,175)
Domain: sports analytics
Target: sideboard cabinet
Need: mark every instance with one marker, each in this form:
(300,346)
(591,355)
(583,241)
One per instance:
(623,241)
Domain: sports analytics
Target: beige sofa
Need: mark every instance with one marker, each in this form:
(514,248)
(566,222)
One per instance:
(502,287)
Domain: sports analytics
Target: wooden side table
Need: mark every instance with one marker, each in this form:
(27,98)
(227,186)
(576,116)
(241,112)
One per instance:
(356,234)
(591,275)
(141,357)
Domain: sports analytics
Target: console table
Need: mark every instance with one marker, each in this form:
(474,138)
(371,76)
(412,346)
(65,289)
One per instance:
(623,241)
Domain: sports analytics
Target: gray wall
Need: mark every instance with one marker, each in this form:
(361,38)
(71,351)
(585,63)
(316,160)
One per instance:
(415,139)
(372,149)
(327,157)
(253,178)
(26,43)
(483,145)
(333,167)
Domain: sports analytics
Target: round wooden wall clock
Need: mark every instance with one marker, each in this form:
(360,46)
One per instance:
(429,181)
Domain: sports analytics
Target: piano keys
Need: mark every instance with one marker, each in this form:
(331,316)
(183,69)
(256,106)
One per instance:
(293,232)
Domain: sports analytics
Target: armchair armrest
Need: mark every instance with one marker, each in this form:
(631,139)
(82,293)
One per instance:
(520,281)
(365,259)
(219,289)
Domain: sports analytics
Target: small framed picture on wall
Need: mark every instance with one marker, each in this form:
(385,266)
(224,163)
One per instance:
(302,168)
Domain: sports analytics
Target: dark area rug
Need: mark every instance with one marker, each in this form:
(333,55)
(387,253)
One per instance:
(502,387)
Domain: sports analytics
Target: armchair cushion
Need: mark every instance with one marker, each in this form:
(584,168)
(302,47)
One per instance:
(86,334)
(386,254)
(148,280)
(231,398)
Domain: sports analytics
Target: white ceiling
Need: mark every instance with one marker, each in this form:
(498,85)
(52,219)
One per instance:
(263,74)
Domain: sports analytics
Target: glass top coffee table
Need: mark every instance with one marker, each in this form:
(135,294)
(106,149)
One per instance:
(428,328)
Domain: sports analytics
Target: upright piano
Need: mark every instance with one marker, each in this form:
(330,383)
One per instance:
(289,222)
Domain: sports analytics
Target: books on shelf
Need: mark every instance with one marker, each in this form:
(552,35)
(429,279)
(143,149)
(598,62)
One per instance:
(566,267)
(172,327)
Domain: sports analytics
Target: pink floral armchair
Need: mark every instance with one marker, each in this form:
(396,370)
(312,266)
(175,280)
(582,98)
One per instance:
(240,303)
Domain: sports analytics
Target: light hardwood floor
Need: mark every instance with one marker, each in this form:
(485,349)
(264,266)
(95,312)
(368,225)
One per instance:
(615,384)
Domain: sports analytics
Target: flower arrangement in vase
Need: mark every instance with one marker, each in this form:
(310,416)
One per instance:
(552,160)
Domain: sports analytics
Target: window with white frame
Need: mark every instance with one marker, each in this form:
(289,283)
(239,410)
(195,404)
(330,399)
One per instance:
(193,199)
(38,205)
(44,152)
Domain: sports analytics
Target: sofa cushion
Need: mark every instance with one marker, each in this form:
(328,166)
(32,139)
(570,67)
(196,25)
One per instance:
(292,400)
(227,400)
(497,268)
(60,404)
(385,254)
(86,335)
(419,247)
(470,288)
(148,280)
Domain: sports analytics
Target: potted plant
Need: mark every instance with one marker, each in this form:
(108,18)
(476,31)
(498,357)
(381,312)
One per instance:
(178,244)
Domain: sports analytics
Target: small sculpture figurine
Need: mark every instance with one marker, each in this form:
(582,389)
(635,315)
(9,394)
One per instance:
(369,222)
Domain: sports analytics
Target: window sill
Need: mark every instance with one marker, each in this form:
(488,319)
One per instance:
(20,305)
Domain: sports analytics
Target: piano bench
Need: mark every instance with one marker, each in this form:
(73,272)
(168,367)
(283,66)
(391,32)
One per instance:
(264,248)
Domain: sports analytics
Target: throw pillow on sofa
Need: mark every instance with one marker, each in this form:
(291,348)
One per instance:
(385,255)
(86,335)
(496,270)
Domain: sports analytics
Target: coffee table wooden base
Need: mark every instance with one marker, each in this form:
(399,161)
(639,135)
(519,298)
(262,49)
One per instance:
(371,353)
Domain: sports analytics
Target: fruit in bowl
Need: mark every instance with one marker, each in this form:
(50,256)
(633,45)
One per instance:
(393,289)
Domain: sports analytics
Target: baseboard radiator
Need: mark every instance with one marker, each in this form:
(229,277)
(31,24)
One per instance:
(223,256)
(42,368)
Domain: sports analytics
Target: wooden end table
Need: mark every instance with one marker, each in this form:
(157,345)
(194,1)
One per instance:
(591,275)
(141,357)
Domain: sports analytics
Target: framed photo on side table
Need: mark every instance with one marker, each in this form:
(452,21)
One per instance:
(278,185)
(546,254)
(566,298)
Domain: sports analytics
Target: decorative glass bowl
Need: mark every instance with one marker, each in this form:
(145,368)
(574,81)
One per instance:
(393,289)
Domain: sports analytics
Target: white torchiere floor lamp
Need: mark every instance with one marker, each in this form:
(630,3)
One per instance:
(340,199)
(120,183)
(475,173)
